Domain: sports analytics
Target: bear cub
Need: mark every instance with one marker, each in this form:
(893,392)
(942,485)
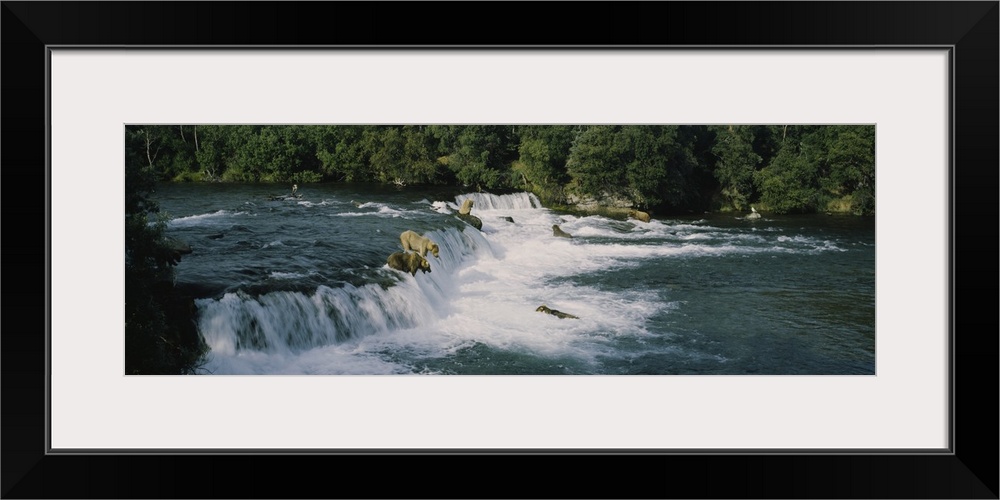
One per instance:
(409,262)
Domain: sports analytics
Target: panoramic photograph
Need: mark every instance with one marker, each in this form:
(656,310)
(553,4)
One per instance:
(499,249)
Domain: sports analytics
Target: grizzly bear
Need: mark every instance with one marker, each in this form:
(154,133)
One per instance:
(559,232)
(417,243)
(409,262)
(635,214)
(558,314)
(466,207)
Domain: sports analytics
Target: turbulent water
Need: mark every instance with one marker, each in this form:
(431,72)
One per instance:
(301,286)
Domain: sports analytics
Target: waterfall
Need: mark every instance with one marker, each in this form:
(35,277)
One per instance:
(286,321)
(487,201)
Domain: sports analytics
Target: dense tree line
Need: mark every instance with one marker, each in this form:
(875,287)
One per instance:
(662,168)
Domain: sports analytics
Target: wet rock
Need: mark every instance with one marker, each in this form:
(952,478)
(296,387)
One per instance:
(472,220)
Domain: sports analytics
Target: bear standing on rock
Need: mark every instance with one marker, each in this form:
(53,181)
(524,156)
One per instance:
(409,262)
(466,208)
(465,213)
(420,244)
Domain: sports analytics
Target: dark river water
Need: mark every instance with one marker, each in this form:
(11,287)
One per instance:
(301,286)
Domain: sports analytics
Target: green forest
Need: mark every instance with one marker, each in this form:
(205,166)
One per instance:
(664,169)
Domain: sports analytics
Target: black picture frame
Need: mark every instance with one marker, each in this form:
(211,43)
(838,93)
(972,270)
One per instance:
(969,471)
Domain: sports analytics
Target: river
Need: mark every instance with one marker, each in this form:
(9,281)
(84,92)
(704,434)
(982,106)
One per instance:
(301,286)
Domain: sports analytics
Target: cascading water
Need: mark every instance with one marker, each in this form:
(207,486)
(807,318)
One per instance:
(293,321)
(489,201)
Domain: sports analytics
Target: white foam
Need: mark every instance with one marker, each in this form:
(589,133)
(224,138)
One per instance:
(307,203)
(382,210)
(194,220)
(285,276)
(442,207)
